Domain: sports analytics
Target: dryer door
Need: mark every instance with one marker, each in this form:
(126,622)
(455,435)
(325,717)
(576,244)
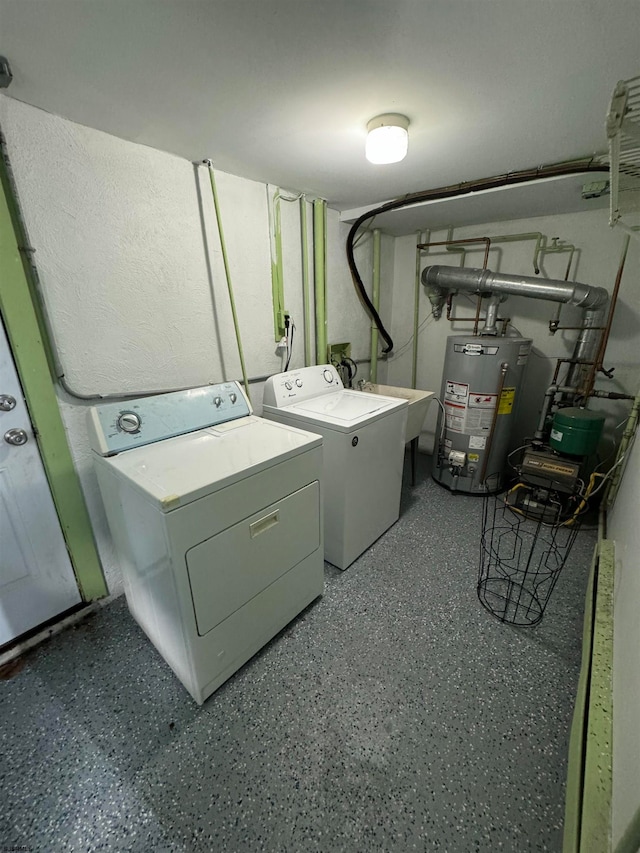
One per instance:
(229,569)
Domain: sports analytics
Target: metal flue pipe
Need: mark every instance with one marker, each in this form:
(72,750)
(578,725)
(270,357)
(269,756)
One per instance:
(485,281)
(440,279)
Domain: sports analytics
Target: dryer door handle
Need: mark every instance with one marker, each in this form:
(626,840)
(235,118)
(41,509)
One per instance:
(264,524)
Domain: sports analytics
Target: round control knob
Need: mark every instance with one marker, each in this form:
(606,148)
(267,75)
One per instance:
(129,422)
(328,375)
(217,402)
(233,397)
(288,386)
(299,383)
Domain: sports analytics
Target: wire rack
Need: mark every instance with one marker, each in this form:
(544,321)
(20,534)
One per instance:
(522,552)
(623,131)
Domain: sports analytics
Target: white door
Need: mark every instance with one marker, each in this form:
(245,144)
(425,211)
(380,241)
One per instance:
(36,577)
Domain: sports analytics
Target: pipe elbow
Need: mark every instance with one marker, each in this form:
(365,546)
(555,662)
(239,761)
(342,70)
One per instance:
(429,276)
(585,296)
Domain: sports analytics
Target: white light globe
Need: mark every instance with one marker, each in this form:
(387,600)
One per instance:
(387,139)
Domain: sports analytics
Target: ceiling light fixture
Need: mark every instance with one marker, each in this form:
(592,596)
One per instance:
(387,138)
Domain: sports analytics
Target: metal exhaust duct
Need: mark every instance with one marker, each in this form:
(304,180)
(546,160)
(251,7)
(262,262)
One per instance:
(440,279)
(485,281)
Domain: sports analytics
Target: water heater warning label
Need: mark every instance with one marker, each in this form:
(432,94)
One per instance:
(456,391)
(480,413)
(455,416)
(456,396)
(468,412)
(482,401)
(505,406)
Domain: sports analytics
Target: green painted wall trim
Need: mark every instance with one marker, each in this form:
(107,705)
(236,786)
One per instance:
(30,354)
(589,780)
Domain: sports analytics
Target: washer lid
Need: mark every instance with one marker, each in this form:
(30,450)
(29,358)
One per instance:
(179,470)
(344,410)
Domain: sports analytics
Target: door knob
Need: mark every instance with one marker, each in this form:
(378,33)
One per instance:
(7,403)
(16,436)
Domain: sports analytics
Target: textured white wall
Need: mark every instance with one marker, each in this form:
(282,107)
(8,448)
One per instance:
(129,258)
(597,264)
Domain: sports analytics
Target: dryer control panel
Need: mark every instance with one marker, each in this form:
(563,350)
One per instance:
(115,427)
(283,389)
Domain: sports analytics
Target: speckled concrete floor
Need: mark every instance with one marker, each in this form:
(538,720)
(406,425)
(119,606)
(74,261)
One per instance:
(395,714)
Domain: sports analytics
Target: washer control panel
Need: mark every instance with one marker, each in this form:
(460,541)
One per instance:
(283,389)
(115,427)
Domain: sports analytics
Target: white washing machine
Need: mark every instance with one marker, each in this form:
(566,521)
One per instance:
(363,450)
(216,516)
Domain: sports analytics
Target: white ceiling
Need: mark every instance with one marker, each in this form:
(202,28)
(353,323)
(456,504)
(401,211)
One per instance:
(281,90)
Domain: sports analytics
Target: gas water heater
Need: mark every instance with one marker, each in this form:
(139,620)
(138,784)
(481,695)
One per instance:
(481,384)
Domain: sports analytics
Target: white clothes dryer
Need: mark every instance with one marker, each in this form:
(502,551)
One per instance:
(216,516)
(363,453)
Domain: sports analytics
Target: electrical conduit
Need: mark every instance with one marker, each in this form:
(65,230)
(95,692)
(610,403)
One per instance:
(225,259)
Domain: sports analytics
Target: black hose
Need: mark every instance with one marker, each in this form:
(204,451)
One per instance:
(467,187)
(290,345)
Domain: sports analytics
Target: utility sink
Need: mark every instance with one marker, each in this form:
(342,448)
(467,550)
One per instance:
(418,404)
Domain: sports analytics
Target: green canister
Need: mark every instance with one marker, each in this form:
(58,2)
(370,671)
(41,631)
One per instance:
(576,431)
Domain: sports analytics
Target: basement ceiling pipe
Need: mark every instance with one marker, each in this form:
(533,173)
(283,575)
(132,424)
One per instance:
(575,167)
(592,299)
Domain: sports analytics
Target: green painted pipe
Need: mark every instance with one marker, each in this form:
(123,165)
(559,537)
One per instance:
(320,279)
(227,272)
(627,436)
(416,304)
(276,277)
(306,298)
(375,299)
(277,266)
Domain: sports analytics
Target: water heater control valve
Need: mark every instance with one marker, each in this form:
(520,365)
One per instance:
(457,458)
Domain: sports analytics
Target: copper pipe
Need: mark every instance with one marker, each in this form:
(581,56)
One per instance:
(560,361)
(487,247)
(581,328)
(476,321)
(485,240)
(503,372)
(604,338)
